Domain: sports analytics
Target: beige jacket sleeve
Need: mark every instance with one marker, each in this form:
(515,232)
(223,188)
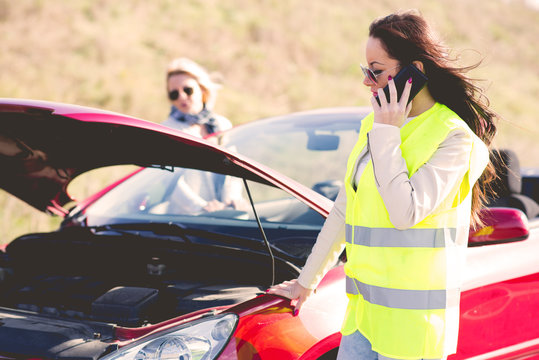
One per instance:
(328,246)
(410,200)
(407,200)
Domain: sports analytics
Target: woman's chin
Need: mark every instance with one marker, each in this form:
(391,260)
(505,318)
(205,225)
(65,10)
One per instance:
(186,110)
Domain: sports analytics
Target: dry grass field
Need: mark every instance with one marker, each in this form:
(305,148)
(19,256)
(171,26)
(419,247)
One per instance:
(273,56)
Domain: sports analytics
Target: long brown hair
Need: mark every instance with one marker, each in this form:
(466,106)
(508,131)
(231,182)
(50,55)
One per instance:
(407,37)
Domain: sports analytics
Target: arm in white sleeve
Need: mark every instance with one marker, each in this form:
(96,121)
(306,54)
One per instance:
(232,189)
(410,200)
(329,245)
(187,199)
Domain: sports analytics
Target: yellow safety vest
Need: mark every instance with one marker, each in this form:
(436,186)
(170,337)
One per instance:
(404,285)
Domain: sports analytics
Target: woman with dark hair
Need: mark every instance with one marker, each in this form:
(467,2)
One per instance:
(409,197)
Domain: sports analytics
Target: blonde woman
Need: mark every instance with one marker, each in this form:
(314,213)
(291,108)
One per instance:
(192,94)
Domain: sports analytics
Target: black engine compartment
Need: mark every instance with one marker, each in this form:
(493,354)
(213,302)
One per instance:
(127,280)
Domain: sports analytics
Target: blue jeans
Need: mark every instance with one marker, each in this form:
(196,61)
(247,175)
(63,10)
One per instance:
(356,346)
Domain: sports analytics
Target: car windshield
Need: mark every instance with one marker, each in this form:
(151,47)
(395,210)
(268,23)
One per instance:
(208,201)
(311,148)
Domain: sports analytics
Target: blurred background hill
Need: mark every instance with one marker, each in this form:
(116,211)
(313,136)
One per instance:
(273,57)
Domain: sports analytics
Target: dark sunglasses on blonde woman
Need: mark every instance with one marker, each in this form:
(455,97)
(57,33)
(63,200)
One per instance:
(174,94)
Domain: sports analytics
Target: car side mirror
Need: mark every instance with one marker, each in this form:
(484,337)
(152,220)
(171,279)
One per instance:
(322,142)
(501,225)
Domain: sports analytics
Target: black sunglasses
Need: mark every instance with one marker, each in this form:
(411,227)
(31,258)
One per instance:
(372,75)
(174,94)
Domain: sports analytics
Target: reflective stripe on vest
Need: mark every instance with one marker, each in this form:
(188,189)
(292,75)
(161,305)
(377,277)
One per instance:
(391,237)
(402,299)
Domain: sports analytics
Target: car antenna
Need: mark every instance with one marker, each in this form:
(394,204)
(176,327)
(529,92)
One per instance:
(263,233)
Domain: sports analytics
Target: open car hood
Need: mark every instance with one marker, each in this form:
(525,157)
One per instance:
(44,145)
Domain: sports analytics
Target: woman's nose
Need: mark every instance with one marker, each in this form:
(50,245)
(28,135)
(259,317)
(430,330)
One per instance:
(367,81)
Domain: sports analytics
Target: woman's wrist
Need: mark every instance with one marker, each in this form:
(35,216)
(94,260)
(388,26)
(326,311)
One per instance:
(305,284)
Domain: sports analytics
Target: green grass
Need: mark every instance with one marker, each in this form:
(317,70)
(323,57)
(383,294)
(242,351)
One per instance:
(274,56)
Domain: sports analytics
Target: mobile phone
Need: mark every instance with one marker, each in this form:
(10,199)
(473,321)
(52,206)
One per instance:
(418,81)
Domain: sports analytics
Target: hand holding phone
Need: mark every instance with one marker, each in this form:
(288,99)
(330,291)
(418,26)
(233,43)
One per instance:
(418,81)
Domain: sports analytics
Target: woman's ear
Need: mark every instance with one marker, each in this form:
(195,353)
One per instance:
(418,64)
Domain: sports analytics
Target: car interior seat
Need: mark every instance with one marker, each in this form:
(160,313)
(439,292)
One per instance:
(507,187)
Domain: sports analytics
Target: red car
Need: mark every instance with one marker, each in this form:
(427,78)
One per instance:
(141,270)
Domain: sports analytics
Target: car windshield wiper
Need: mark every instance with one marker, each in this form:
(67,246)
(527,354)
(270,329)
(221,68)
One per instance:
(157,228)
(171,229)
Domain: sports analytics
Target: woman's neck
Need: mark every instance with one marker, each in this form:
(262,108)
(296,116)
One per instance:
(422,102)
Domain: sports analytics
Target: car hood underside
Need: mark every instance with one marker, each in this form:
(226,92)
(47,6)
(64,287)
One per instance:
(43,146)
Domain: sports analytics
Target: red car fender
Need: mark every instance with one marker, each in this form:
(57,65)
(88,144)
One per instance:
(322,347)
(267,328)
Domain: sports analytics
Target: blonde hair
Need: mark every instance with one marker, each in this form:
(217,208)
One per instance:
(187,66)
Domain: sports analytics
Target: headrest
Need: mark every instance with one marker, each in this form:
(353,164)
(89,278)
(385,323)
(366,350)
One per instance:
(508,170)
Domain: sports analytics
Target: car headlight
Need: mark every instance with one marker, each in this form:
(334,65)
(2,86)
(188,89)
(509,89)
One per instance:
(198,340)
